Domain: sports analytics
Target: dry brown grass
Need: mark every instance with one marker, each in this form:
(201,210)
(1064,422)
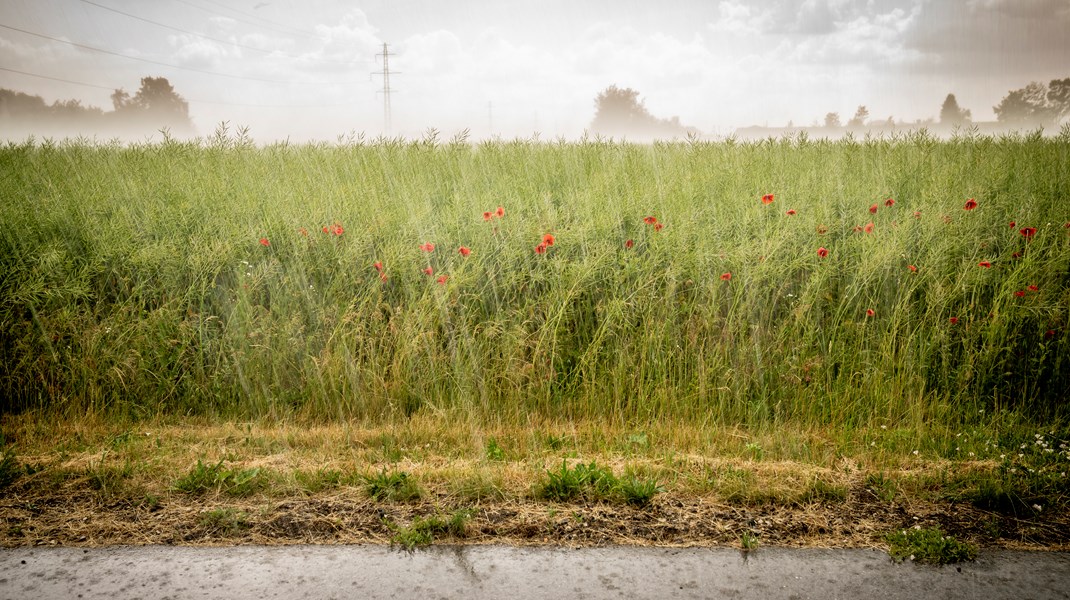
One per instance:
(90,483)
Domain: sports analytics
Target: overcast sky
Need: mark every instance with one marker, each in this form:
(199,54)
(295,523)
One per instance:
(304,69)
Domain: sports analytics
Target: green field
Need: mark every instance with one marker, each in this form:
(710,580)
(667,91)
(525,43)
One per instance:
(135,283)
(807,327)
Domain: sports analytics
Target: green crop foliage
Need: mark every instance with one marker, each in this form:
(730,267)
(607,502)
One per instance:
(135,282)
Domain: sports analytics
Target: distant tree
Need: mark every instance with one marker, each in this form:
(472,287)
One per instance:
(859,120)
(619,111)
(120,99)
(1035,104)
(832,120)
(951,114)
(155,104)
(1059,98)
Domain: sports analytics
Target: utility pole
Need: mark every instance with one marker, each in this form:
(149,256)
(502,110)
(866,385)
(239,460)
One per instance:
(386,87)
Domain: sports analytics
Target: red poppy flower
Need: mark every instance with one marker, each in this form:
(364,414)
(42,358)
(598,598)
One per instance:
(487,215)
(378,266)
(822,252)
(264,242)
(822,230)
(1020,293)
(767,199)
(1016,255)
(970,204)
(540,249)
(442,279)
(870,312)
(1013,224)
(1049,334)
(500,212)
(954,320)
(302,231)
(790,212)
(1033,288)
(427,247)
(889,202)
(917,214)
(726,276)
(869,227)
(873,209)
(1028,232)
(629,243)
(337,230)
(650,220)
(464,250)
(985,264)
(658,226)
(912,268)
(326,230)
(428,271)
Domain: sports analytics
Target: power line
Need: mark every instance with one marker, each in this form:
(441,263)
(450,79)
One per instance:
(287,30)
(207,37)
(103,87)
(191,101)
(163,64)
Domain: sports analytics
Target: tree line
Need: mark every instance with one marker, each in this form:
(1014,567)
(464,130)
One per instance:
(620,112)
(156,105)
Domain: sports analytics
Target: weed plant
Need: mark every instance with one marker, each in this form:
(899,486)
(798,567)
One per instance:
(395,486)
(423,530)
(852,283)
(205,478)
(929,545)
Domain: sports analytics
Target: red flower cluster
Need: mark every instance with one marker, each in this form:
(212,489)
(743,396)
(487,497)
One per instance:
(465,251)
(726,276)
(889,202)
(1028,232)
(650,220)
(767,199)
(427,247)
(869,227)
(822,252)
(547,241)
(873,209)
(498,212)
(970,204)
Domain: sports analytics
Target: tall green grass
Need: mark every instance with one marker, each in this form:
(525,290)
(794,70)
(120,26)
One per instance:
(134,282)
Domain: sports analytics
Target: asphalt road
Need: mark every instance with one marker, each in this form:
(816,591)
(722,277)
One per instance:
(473,572)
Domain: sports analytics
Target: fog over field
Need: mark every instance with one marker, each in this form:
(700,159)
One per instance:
(314,70)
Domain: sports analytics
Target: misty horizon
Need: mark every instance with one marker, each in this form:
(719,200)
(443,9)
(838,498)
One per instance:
(516,69)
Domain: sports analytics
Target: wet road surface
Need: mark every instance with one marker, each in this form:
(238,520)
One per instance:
(474,572)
